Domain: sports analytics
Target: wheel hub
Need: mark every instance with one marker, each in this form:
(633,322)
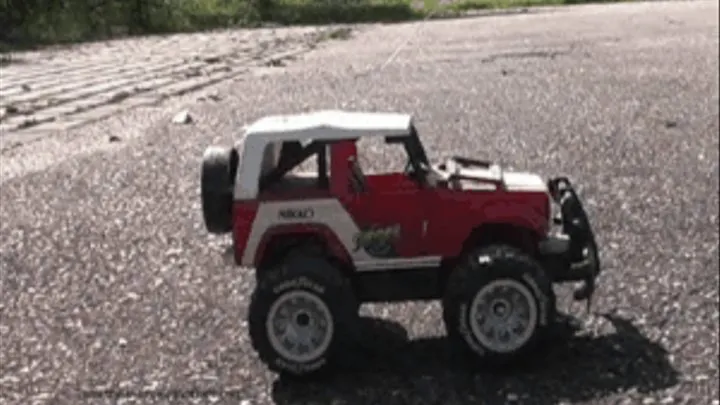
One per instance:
(300,326)
(302,319)
(503,315)
(501,309)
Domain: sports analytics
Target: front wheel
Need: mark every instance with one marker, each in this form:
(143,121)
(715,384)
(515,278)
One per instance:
(498,306)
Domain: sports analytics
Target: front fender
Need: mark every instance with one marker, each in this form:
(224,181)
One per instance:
(529,216)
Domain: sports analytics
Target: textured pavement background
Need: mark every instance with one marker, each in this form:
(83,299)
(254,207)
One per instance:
(54,90)
(113,293)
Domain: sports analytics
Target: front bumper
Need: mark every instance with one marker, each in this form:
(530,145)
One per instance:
(572,253)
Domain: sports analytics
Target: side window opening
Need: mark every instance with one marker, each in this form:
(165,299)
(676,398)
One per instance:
(357,179)
(394,157)
(294,167)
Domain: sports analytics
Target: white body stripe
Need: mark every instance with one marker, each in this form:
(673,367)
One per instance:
(331,213)
(397,264)
(326,211)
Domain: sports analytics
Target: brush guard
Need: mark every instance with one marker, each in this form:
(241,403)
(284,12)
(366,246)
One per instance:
(571,255)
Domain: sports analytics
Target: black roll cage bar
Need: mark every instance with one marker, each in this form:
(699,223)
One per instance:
(293,153)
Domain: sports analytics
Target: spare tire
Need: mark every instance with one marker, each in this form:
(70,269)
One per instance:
(219,166)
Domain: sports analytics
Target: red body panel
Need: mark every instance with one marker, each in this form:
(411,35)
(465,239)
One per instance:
(430,221)
(244,213)
(436,222)
(391,200)
(458,213)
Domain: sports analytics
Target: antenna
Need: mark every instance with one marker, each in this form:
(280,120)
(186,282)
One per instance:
(373,69)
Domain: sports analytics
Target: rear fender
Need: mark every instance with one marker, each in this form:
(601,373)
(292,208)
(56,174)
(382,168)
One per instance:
(312,231)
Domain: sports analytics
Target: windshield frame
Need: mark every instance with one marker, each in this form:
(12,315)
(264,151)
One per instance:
(416,153)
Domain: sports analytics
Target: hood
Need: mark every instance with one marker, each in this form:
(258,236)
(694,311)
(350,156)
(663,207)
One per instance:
(522,181)
(513,181)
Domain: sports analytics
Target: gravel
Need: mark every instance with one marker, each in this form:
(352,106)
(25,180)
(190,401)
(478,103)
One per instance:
(113,293)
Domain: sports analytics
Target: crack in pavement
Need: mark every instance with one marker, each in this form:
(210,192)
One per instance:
(544,54)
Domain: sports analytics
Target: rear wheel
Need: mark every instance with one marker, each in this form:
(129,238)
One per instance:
(498,306)
(301,316)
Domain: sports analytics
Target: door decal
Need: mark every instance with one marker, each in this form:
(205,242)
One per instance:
(378,242)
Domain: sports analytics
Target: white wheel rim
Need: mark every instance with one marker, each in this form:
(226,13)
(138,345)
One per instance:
(300,326)
(503,315)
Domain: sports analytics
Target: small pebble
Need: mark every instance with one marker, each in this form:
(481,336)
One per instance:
(183,117)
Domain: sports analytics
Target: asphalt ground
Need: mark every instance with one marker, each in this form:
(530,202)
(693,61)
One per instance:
(112,292)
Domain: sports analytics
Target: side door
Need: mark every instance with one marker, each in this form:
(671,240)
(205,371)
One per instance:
(390,225)
(387,222)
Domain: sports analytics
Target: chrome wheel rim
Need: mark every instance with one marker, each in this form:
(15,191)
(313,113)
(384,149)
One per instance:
(503,315)
(300,326)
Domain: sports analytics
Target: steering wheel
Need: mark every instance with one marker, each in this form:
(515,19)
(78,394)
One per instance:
(357,178)
(415,175)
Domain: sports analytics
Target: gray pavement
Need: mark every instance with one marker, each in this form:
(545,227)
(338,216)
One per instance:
(113,293)
(47,91)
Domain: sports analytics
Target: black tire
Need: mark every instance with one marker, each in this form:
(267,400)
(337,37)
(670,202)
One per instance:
(307,275)
(219,166)
(493,266)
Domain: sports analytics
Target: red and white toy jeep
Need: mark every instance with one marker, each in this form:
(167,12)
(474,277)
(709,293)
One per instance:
(488,242)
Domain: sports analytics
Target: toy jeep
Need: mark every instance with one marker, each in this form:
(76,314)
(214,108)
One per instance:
(487,242)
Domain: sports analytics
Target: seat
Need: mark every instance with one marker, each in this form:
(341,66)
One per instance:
(358,182)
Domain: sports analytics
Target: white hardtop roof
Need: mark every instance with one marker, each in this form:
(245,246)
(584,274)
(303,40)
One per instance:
(329,125)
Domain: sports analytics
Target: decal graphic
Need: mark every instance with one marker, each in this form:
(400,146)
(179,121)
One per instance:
(292,213)
(378,241)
